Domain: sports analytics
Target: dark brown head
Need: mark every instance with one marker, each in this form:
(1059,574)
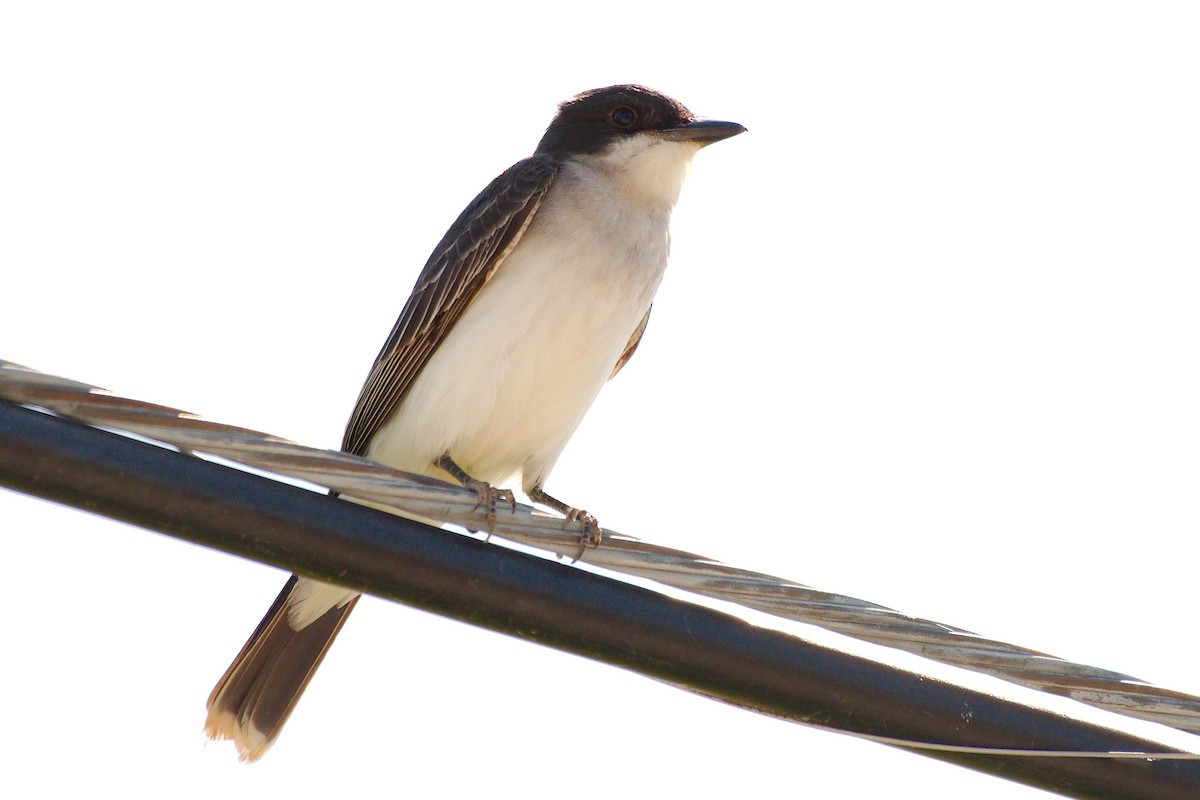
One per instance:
(591,122)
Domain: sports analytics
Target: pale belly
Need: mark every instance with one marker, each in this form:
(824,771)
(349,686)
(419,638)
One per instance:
(511,382)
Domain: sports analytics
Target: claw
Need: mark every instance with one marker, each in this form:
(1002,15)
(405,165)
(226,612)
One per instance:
(591,534)
(590,531)
(490,497)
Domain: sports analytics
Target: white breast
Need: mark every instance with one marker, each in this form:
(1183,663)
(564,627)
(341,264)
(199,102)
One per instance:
(510,383)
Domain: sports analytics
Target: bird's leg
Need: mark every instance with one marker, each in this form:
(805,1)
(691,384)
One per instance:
(592,534)
(488,496)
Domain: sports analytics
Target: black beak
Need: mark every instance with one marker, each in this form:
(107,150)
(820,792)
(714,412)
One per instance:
(702,131)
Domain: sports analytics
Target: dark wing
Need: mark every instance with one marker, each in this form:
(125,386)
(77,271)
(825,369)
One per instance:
(466,258)
(634,340)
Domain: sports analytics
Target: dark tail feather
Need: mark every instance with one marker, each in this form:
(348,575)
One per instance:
(257,693)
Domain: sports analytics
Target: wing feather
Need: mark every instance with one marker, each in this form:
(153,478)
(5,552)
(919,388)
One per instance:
(466,258)
(631,347)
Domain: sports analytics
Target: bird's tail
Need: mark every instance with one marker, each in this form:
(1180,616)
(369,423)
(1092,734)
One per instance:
(257,693)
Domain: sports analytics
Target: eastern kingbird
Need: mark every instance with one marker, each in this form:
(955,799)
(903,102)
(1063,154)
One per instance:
(535,297)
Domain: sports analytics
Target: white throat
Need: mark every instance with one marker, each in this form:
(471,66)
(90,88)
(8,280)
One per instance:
(648,169)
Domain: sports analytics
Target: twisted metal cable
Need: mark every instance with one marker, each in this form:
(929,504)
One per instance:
(364,480)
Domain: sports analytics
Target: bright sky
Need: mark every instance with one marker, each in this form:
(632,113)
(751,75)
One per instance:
(929,337)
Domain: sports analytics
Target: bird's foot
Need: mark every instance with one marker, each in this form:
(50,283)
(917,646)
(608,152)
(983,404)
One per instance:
(590,535)
(489,496)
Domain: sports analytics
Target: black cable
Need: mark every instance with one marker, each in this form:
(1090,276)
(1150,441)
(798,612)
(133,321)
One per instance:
(556,605)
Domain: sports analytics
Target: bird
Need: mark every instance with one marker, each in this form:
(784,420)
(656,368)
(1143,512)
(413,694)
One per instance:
(537,295)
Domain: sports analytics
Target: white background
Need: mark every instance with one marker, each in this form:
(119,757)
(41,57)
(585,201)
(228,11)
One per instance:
(929,337)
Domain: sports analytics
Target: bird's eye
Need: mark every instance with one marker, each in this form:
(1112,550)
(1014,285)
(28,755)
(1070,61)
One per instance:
(623,117)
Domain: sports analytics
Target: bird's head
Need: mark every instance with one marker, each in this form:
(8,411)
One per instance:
(644,138)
